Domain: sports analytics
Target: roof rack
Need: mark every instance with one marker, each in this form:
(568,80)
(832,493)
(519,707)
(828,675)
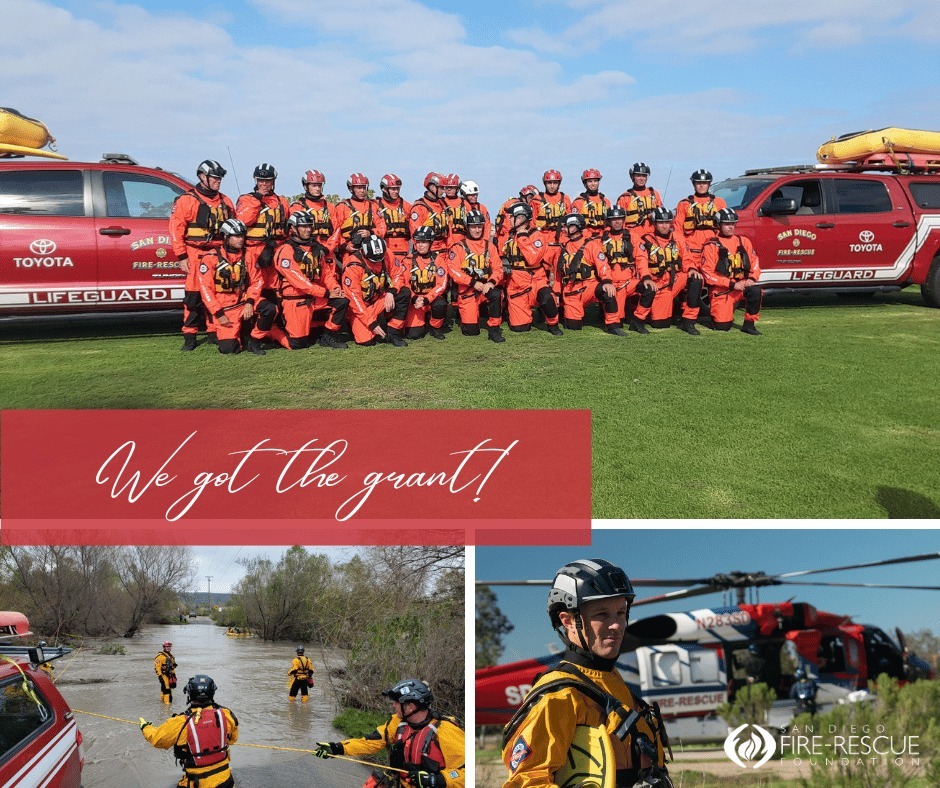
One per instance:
(35,654)
(900,163)
(117,158)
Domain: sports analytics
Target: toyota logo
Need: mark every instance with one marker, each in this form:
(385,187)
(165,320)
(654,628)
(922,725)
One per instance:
(42,246)
(866,236)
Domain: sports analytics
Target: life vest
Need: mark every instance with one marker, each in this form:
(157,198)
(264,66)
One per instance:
(305,669)
(735,266)
(322,223)
(356,220)
(396,223)
(373,284)
(166,667)
(456,215)
(424,280)
(309,260)
(270,224)
(550,213)
(513,255)
(507,206)
(231,276)
(619,250)
(639,206)
(701,216)
(416,747)
(476,266)
(436,220)
(206,733)
(662,259)
(593,212)
(204,229)
(573,268)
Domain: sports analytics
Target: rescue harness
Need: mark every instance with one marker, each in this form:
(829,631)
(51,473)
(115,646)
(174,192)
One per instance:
(619,250)
(271,222)
(322,223)
(573,268)
(596,210)
(476,266)
(639,206)
(424,280)
(396,223)
(204,228)
(700,216)
(356,220)
(550,213)
(373,284)
(231,276)
(436,220)
(735,266)
(662,259)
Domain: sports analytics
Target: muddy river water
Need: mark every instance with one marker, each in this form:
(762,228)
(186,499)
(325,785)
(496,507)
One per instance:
(251,676)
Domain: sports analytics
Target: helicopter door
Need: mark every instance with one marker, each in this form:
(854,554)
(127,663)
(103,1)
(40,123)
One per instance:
(683,680)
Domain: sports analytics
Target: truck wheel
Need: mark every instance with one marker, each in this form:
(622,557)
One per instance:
(930,289)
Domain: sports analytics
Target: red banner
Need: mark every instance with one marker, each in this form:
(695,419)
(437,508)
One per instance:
(252,477)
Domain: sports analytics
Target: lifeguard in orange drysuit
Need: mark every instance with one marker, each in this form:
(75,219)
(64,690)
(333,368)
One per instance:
(313,202)
(582,268)
(374,284)
(474,265)
(355,218)
(503,219)
(622,252)
(429,210)
(695,216)
(453,205)
(231,288)
(395,213)
(551,206)
(427,281)
(529,284)
(194,230)
(639,201)
(732,270)
(308,287)
(591,204)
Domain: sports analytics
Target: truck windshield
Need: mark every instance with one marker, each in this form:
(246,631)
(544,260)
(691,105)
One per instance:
(740,192)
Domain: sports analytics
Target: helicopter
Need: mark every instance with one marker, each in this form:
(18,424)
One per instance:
(692,662)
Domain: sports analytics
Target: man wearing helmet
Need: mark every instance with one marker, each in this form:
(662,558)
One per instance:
(194,230)
(622,253)
(426,745)
(695,216)
(589,606)
(429,210)
(301,676)
(231,288)
(503,219)
(470,193)
(551,205)
(591,203)
(200,737)
(584,272)
(529,283)
(639,201)
(374,284)
(313,202)
(165,666)
(355,218)
(474,265)
(804,690)
(732,270)
(427,281)
(395,212)
(309,292)
(453,205)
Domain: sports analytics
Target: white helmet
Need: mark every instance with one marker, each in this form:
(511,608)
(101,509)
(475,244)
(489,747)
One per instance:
(468,188)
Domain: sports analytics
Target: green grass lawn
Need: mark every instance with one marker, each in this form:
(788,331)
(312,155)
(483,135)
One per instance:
(833,412)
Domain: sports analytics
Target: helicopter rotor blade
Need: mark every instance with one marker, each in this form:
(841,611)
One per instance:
(859,585)
(638,583)
(886,562)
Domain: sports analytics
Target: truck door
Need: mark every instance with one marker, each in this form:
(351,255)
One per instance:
(47,239)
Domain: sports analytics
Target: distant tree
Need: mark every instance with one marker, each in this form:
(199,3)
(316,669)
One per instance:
(491,625)
(925,644)
(751,704)
(151,576)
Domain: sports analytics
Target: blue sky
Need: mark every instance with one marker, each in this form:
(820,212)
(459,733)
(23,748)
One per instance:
(495,91)
(663,553)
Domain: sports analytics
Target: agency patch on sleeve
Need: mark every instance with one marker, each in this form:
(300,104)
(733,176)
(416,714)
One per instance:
(520,751)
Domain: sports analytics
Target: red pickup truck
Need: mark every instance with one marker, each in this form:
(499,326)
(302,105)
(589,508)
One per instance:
(858,226)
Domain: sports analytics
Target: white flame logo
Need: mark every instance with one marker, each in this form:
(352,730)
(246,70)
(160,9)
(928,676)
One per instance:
(759,746)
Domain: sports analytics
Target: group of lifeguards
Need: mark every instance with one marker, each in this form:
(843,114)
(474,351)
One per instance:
(296,272)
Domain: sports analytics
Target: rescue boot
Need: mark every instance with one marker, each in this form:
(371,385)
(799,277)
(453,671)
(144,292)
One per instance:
(637,325)
(616,330)
(304,698)
(555,330)
(688,326)
(437,333)
(330,340)
(166,699)
(394,337)
(189,342)
(495,334)
(291,698)
(212,338)
(750,328)
(254,346)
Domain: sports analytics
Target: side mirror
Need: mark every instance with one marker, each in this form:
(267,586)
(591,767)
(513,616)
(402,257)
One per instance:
(779,206)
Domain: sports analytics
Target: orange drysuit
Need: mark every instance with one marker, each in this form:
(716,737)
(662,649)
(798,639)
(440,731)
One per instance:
(695,222)
(365,285)
(664,261)
(639,204)
(726,261)
(469,262)
(322,212)
(593,207)
(427,280)
(504,222)
(397,230)
(351,215)
(582,268)
(228,281)
(528,285)
(622,254)
(428,212)
(470,205)
(307,275)
(549,209)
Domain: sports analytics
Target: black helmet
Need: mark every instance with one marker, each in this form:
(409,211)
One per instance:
(423,233)
(583,581)
(662,214)
(200,690)
(265,171)
(474,218)
(300,218)
(373,248)
(701,176)
(520,209)
(640,168)
(574,218)
(233,227)
(615,212)
(799,673)
(726,216)
(211,168)
(411,691)
(300,650)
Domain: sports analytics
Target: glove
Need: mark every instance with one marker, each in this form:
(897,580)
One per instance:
(327,749)
(144,723)
(429,780)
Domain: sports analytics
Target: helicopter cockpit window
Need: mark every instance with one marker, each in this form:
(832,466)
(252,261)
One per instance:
(832,655)
(703,666)
(666,669)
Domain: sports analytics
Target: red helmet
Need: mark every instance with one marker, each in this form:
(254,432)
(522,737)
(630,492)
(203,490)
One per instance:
(167,645)
(528,192)
(453,179)
(592,173)
(390,181)
(433,178)
(356,179)
(313,176)
(551,175)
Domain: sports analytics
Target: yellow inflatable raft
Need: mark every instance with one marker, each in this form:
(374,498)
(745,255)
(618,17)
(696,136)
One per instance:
(852,147)
(22,136)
